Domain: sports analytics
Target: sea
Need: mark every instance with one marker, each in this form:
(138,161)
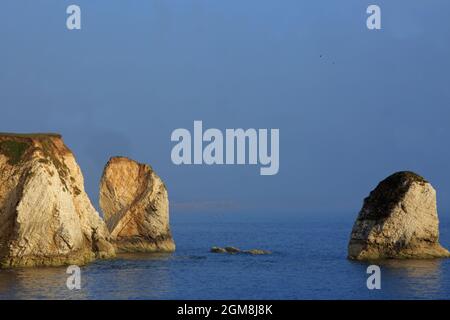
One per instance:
(308,261)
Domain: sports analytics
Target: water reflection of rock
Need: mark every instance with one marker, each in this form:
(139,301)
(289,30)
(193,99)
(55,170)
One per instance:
(414,268)
(414,278)
(37,283)
(130,276)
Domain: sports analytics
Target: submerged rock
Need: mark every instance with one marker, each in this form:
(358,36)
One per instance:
(257,251)
(46,218)
(218,250)
(135,205)
(398,220)
(233,250)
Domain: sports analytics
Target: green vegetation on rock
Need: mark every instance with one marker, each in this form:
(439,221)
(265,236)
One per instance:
(48,149)
(389,193)
(29,135)
(14,150)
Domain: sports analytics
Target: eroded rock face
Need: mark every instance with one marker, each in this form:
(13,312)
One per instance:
(46,218)
(135,205)
(398,220)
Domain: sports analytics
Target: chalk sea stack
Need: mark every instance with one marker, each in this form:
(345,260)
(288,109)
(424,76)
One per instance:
(46,218)
(135,206)
(398,220)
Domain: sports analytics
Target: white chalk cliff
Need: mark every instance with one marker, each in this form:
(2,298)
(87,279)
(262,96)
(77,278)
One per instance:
(398,220)
(46,218)
(135,206)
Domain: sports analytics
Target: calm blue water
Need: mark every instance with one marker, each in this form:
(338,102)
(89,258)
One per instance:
(309,262)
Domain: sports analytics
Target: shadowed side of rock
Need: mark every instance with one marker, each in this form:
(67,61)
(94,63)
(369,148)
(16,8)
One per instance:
(135,205)
(398,220)
(46,218)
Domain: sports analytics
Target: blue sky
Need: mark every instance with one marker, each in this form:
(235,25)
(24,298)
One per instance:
(352,105)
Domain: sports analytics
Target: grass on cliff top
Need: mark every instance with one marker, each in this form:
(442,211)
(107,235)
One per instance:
(30,135)
(398,179)
(389,193)
(14,145)
(14,150)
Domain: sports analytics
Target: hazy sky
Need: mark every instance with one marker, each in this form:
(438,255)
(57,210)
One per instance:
(352,105)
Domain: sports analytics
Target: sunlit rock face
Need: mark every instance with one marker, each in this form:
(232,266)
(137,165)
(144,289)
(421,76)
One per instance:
(46,218)
(398,220)
(135,205)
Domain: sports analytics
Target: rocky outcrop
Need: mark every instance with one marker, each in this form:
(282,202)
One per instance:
(398,220)
(234,250)
(135,205)
(46,218)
